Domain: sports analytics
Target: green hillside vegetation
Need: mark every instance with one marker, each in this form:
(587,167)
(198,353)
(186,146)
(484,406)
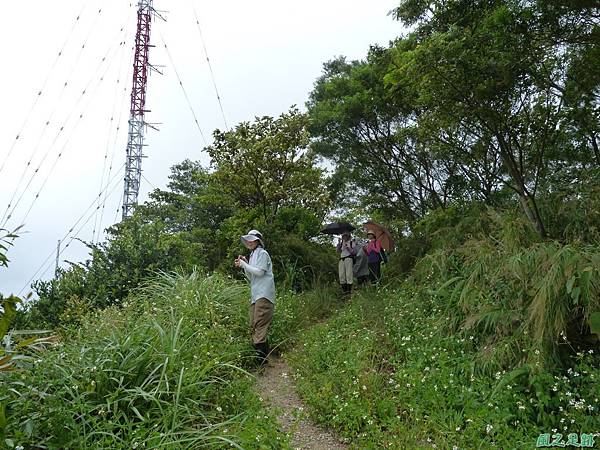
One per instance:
(480,347)
(474,138)
(168,368)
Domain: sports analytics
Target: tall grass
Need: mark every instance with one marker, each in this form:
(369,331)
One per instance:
(167,369)
(487,343)
(523,299)
(388,372)
(163,371)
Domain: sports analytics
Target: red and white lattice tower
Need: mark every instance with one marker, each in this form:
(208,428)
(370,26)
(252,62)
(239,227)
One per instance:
(137,123)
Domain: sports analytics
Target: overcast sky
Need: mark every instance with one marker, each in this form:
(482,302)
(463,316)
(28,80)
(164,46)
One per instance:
(265,55)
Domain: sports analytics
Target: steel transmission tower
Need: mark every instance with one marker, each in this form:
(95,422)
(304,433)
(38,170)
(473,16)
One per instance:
(137,123)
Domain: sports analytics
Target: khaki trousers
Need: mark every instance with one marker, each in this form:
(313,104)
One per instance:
(261,316)
(345,270)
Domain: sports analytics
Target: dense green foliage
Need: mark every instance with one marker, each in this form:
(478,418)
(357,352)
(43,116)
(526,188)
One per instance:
(265,165)
(390,371)
(490,342)
(474,138)
(484,100)
(263,178)
(164,370)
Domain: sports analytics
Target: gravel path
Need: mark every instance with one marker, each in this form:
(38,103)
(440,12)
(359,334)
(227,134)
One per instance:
(275,385)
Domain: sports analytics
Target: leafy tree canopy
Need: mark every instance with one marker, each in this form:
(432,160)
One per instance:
(266,165)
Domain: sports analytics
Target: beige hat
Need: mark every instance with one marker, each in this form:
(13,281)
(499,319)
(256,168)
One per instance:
(253,235)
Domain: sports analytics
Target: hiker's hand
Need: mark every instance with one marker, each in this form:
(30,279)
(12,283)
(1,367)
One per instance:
(239,259)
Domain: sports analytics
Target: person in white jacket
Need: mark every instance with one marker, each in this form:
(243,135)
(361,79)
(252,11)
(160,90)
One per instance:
(258,269)
(346,247)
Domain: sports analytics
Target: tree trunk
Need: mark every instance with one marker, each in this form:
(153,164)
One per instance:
(595,148)
(526,199)
(529,205)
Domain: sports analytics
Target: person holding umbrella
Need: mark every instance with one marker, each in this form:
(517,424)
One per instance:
(380,240)
(374,258)
(259,271)
(346,247)
(347,250)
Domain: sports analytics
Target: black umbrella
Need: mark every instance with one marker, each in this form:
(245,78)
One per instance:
(337,228)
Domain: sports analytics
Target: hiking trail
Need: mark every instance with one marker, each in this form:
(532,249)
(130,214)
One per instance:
(276,388)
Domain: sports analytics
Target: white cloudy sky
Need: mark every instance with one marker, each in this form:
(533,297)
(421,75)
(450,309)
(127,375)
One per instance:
(265,54)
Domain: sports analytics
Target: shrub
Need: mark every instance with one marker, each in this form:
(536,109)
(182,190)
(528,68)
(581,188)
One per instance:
(165,370)
(386,372)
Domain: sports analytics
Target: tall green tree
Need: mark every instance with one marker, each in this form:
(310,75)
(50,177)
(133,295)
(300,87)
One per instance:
(369,135)
(266,165)
(499,73)
(387,145)
(192,209)
(198,219)
(194,199)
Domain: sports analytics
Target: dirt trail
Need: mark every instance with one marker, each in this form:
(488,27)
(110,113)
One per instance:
(276,387)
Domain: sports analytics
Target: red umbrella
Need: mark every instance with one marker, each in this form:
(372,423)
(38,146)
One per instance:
(382,234)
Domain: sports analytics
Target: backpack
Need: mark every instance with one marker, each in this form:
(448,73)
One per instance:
(352,247)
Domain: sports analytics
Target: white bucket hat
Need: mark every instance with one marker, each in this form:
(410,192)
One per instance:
(253,235)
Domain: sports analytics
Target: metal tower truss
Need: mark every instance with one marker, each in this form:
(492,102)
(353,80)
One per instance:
(137,122)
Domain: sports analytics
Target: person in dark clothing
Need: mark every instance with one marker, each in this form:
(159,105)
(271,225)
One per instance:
(361,264)
(373,251)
